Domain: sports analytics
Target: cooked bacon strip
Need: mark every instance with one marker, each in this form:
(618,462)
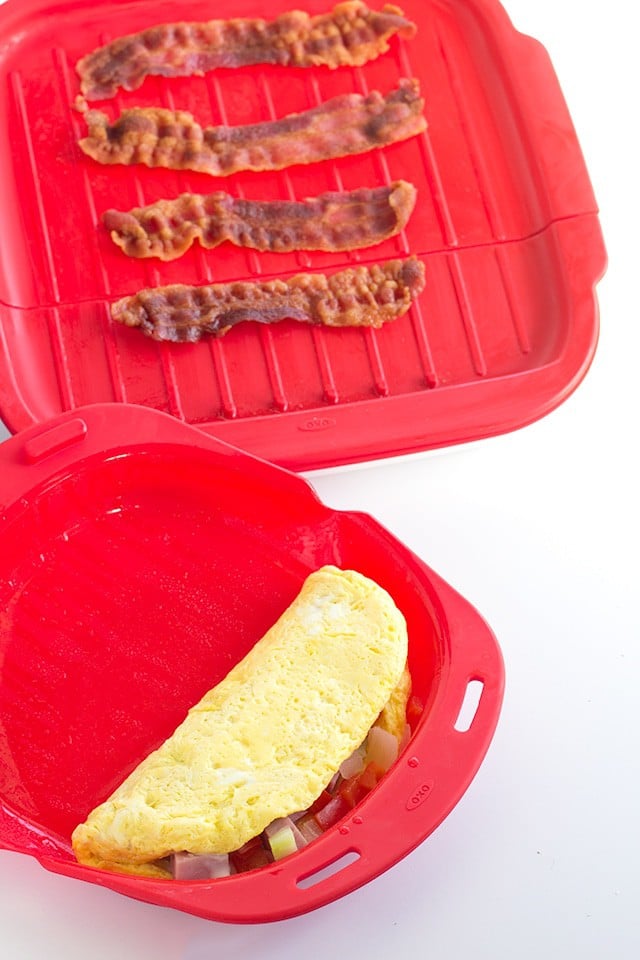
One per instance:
(347,37)
(332,222)
(356,297)
(347,124)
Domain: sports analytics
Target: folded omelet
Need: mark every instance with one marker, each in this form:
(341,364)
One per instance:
(268,738)
(393,718)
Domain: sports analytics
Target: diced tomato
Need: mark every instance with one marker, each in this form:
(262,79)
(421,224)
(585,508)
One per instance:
(321,802)
(332,812)
(250,856)
(250,845)
(382,748)
(352,791)
(415,708)
(370,776)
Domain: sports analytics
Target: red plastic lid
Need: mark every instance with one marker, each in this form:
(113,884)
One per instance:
(506,223)
(139,560)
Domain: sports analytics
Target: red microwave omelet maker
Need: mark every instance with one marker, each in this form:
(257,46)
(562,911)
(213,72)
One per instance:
(140,560)
(150,529)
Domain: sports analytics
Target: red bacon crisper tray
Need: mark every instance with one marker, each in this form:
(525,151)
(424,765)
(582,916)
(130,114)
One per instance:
(506,223)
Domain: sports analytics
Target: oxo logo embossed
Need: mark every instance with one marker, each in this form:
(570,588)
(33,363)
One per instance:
(317,423)
(420,795)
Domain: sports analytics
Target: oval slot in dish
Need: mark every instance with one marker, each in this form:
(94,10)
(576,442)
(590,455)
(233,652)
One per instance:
(329,871)
(469,707)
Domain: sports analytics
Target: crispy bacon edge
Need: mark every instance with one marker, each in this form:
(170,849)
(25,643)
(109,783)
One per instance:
(344,125)
(363,296)
(350,35)
(331,222)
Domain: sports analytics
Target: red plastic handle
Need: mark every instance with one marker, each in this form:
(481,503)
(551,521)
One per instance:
(43,451)
(547,129)
(417,794)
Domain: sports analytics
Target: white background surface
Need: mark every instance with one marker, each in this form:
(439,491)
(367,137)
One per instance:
(540,531)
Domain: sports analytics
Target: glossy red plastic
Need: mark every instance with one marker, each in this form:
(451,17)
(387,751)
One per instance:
(139,560)
(506,223)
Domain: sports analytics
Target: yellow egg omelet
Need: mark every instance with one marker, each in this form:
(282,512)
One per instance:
(267,739)
(394,714)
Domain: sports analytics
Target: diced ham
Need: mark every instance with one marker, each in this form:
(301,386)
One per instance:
(208,866)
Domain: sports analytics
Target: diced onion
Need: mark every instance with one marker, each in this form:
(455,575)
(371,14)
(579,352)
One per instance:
(284,837)
(354,764)
(298,815)
(382,748)
(333,783)
(406,736)
(310,828)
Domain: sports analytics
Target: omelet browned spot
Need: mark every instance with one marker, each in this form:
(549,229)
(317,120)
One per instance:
(267,739)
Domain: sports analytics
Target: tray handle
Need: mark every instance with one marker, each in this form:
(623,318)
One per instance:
(33,456)
(547,124)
